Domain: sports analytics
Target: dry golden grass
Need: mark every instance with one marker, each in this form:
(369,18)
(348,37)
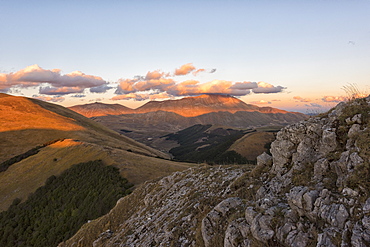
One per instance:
(27,123)
(26,176)
(18,113)
(253,144)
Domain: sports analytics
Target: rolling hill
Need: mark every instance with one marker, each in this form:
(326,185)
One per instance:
(62,138)
(100,109)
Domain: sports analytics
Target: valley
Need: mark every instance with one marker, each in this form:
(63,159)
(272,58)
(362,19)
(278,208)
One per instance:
(251,179)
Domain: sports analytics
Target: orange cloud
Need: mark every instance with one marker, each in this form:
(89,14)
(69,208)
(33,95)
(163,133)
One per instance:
(60,90)
(300,99)
(333,98)
(261,102)
(48,98)
(161,82)
(198,71)
(134,96)
(185,69)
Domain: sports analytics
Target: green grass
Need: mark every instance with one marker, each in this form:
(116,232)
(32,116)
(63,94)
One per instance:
(59,208)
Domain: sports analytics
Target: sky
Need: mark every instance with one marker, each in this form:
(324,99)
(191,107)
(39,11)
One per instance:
(293,55)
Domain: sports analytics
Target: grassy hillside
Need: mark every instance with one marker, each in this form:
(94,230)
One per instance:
(59,208)
(253,144)
(207,143)
(26,124)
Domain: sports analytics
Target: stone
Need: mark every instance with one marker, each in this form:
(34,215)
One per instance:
(264,160)
(236,234)
(261,229)
(214,223)
(321,167)
(323,240)
(328,141)
(250,213)
(366,207)
(354,131)
(349,192)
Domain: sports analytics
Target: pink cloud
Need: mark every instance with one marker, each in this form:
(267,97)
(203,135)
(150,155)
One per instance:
(160,82)
(34,75)
(261,102)
(264,87)
(185,69)
(48,98)
(334,98)
(300,99)
(60,90)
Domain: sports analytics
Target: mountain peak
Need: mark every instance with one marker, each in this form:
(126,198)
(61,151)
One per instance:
(199,105)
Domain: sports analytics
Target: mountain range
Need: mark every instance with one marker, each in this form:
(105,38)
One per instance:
(186,107)
(148,123)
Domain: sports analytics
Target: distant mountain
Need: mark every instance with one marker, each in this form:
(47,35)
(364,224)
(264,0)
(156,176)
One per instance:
(148,123)
(199,105)
(146,126)
(186,107)
(100,109)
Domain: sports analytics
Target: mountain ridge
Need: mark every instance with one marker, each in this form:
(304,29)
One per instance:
(187,107)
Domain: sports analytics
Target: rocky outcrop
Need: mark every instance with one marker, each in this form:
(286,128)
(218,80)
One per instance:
(313,191)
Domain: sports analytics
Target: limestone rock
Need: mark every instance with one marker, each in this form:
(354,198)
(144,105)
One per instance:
(236,234)
(213,225)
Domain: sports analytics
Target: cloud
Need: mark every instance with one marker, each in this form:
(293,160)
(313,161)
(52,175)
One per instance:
(142,96)
(198,71)
(48,98)
(134,96)
(313,105)
(60,90)
(157,83)
(78,96)
(193,87)
(244,85)
(34,75)
(261,102)
(333,99)
(186,69)
(264,87)
(100,89)
(300,99)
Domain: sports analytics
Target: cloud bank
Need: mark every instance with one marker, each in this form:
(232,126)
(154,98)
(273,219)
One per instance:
(156,84)
(162,83)
(52,82)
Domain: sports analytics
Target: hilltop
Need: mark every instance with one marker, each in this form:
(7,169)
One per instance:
(100,109)
(313,190)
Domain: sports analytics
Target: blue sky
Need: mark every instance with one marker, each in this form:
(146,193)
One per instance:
(311,48)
